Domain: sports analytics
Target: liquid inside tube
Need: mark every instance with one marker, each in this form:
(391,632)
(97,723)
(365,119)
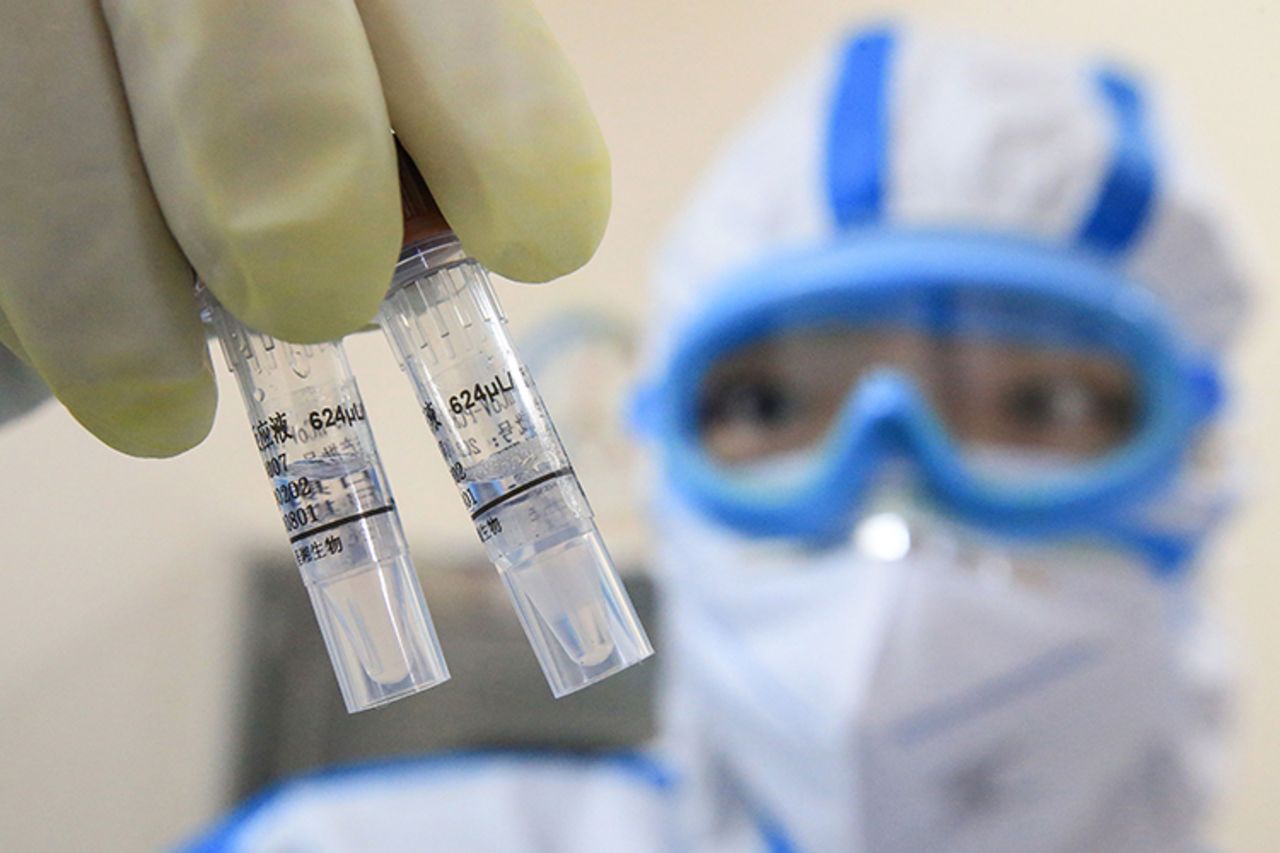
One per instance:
(381,647)
(355,524)
(563,591)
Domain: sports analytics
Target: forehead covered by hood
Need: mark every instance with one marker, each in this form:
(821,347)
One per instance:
(892,129)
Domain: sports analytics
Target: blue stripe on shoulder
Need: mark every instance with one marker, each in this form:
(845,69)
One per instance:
(223,837)
(1128,190)
(856,134)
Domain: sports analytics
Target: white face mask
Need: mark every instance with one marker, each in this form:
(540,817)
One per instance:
(921,688)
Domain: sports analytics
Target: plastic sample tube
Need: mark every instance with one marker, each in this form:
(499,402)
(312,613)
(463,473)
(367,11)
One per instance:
(311,429)
(444,323)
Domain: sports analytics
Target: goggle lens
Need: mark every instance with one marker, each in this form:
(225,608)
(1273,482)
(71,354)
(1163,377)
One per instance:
(1006,399)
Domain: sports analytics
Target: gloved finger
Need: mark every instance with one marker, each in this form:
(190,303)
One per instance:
(92,286)
(496,120)
(20,387)
(268,144)
(9,338)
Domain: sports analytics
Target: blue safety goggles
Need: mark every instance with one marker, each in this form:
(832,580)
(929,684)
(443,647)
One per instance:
(1026,388)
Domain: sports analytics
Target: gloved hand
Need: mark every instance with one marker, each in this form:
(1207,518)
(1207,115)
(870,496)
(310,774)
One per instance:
(250,141)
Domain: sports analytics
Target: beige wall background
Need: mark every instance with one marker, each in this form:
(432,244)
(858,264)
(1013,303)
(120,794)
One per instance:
(119,621)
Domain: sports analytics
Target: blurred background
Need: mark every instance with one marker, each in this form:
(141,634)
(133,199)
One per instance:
(158,658)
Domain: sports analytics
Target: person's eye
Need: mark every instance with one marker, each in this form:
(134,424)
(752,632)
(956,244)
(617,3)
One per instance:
(1117,410)
(758,402)
(1041,404)
(1031,404)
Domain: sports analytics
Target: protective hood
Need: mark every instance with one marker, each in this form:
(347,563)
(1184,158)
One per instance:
(912,130)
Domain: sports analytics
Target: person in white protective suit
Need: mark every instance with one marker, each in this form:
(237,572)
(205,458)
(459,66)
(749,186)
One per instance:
(932,392)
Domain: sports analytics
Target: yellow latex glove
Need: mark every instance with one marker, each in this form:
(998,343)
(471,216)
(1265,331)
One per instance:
(140,139)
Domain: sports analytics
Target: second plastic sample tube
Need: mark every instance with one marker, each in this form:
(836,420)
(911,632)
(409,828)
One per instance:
(448,332)
(310,426)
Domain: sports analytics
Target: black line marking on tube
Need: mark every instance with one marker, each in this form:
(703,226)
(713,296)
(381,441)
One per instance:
(307,534)
(519,490)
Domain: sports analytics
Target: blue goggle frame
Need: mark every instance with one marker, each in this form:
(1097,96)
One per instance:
(854,280)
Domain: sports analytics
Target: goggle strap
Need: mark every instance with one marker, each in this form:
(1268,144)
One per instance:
(1208,392)
(643,407)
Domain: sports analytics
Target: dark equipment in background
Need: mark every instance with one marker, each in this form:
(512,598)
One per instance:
(291,719)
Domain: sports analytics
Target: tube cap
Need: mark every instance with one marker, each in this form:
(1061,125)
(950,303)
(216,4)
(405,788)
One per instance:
(379,634)
(422,217)
(576,613)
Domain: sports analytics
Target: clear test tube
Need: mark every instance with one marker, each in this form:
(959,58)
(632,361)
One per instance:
(312,431)
(443,321)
